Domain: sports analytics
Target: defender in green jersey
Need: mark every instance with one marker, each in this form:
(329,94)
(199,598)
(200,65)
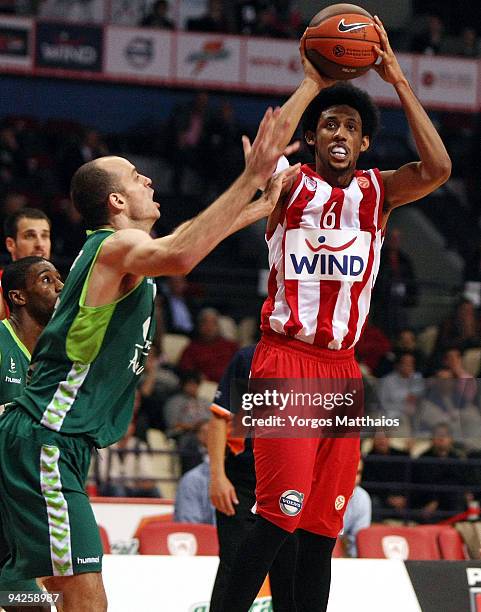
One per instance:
(31,287)
(88,360)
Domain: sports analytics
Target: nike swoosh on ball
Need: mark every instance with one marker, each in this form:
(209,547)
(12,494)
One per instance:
(342,27)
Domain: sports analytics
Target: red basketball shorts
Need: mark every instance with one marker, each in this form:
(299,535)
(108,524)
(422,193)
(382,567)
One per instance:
(304,482)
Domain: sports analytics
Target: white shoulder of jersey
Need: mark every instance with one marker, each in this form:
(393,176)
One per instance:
(282,164)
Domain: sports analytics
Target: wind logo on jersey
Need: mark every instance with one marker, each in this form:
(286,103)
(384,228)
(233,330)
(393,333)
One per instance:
(318,254)
(290,502)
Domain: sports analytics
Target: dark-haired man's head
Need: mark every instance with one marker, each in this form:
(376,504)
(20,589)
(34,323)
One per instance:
(27,232)
(338,125)
(33,284)
(109,191)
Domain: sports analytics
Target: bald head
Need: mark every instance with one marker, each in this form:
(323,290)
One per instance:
(91,186)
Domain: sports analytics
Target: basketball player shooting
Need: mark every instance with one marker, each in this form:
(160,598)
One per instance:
(313,316)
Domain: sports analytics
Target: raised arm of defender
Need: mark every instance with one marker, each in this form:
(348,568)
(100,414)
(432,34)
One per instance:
(416,179)
(132,252)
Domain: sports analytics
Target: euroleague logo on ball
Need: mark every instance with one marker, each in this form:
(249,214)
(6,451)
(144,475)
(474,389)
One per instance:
(290,502)
(339,503)
(339,51)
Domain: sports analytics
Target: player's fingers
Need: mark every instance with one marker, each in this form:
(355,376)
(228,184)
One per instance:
(263,126)
(292,148)
(246,146)
(228,508)
(290,173)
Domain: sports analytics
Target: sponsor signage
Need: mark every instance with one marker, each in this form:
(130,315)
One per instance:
(272,65)
(448,82)
(457,585)
(69,47)
(15,42)
(138,53)
(326,254)
(208,59)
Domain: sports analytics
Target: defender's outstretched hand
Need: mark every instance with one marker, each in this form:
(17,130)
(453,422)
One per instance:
(388,69)
(262,157)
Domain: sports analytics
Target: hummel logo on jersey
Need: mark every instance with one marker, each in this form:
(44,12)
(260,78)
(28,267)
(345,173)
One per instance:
(13,366)
(87,560)
(350,27)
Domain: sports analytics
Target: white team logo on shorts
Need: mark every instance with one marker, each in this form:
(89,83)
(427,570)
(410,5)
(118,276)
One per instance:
(339,503)
(290,502)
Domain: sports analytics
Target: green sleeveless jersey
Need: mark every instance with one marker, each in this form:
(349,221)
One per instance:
(88,360)
(14,360)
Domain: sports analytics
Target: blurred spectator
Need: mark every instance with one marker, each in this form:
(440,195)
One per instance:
(372,347)
(176,309)
(157,18)
(444,403)
(358,515)
(158,383)
(444,471)
(192,502)
(223,138)
(431,40)
(193,446)
(188,134)
(469,44)
(64,216)
(89,147)
(396,287)
(12,161)
(185,409)
(127,465)
(405,342)
(13,202)
(209,352)
(462,329)
(212,21)
(400,391)
(452,359)
(389,502)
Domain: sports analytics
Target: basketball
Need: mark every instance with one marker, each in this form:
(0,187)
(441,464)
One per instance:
(340,41)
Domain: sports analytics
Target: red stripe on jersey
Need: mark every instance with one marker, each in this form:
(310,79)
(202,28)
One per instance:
(268,306)
(368,223)
(294,217)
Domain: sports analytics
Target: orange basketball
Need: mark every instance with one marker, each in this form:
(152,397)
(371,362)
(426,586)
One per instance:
(340,41)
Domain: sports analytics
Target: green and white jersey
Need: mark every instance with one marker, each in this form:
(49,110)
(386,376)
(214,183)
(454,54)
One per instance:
(88,360)
(14,360)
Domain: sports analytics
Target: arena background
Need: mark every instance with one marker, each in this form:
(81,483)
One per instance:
(83,78)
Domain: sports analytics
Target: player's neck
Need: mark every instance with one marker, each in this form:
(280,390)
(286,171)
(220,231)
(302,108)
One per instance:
(26,328)
(335,178)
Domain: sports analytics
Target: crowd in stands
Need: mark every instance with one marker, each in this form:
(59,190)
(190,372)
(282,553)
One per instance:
(433,30)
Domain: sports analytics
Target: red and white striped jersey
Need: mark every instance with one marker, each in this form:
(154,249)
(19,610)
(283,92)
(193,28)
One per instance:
(324,258)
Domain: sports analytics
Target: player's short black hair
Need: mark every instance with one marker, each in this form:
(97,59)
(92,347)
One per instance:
(89,190)
(15,276)
(10,225)
(339,95)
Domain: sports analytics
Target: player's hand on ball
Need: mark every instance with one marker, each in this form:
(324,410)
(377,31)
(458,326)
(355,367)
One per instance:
(310,72)
(388,68)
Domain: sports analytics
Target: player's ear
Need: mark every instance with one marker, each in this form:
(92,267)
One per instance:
(17,297)
(365,142)
(310,137)
(10,244)
(117,201)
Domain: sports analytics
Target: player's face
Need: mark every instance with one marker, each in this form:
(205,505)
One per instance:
(33,238)
(43,286)
(338,140)
(137,189)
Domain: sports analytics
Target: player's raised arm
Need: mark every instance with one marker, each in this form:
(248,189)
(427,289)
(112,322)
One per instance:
(129,252)
(417,179)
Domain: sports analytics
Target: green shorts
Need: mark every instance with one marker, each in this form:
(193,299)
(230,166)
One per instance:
(46,518)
